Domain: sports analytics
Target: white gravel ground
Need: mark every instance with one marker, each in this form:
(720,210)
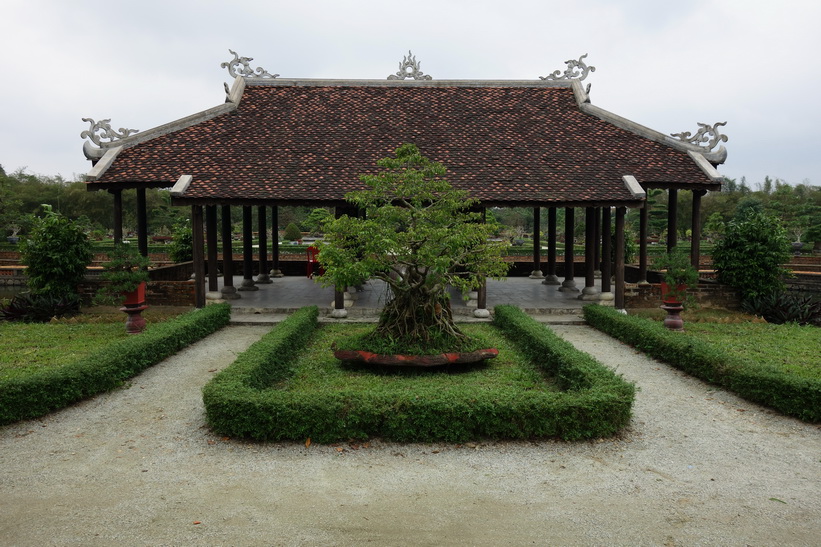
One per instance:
(698,466)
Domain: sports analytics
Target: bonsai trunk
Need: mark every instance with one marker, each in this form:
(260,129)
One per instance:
(418,314)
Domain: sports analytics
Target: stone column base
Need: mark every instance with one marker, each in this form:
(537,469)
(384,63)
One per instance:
(589,294)
(568,286)
(248,285)
(551,280)
(339,314)
(606,296)
(263,279)
(230,293)
(213,295)
(481,313)
(536,274)
(276,273)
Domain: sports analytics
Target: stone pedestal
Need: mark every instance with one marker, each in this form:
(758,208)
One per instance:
(263,279)
(589,294)
(568,285)
(339,313)
(551,280)
(229,293)
(248,285)
(213,295)
(276,273)
(481,313)
(606,296)
(536,274)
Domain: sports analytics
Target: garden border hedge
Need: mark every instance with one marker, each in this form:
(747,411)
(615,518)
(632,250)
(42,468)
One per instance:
(32,396)
(790,395)
(596,402)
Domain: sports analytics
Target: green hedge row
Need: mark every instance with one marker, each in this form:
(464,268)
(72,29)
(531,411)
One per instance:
(247,399)
(791,395)
(31,396)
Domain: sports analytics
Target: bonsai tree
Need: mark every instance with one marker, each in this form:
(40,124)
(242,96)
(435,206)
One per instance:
(679,273)
(292,233)
(419,235)
(125,270)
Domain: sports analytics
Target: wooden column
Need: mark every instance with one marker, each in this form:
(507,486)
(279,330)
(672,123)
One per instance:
(597,238)
(619,303)
(118,215)
(481,310)
(211,246)
(569,284)
(275,271)
(550,277)
(590,292)
(672,218)
(606,262)
(262,226)
(339,310)
(229,292)
(537,245)
(142,222)
(644,221)
(695,247)
(198,256)
(247,250)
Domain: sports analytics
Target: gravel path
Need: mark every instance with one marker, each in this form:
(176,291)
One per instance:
(698,466)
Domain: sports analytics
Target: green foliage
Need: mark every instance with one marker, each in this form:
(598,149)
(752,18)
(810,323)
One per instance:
(270,393)
(32,395)
(181,248)
(316,220)
(292,233)
(679,273)
(40,308)
(750,256)
(124,270)
(785,307)
(419,236)
(767,385)
(56,254)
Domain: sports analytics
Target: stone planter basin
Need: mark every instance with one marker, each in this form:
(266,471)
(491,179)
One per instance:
(358,356)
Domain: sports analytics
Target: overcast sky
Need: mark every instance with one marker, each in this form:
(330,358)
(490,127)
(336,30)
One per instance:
(666,64)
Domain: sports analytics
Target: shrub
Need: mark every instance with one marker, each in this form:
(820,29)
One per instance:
(251,398)
(292,233)
(56,254)
(751,254)
(181,248)
(32,395)
(791,395)
(40,308)
(785,307)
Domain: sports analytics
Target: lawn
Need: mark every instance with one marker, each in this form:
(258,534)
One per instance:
(318,371)
(32,347)
(793,348)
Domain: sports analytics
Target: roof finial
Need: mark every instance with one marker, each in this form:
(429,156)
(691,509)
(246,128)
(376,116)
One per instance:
(576,70)
(103,127)
(246,71)
(409,68)
(706,134)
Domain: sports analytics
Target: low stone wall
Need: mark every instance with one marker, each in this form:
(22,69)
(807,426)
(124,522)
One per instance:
(708,294)
(159,293)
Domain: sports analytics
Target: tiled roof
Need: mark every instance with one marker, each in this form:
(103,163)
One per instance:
(517,144)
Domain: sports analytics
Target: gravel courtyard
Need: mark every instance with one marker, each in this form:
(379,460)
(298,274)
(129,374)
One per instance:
(137,466)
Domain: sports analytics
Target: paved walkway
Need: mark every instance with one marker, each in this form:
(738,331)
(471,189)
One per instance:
(137,466)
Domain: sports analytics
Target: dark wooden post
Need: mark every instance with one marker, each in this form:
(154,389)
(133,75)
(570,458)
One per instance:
(142,222)
(211,244)
(262,226)
(537,245)
(550,277)
(229,292)
(339,310)
(695,248)
(247,250)
(275,272)
(569,284)
(198,256)
(619,303)
(118,215)
(590,292)
(644,221)
(672,218)
(606,262)
(597,237)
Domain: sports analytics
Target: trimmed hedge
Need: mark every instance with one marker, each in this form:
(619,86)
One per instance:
(250,398)
(789,394)
(34,395)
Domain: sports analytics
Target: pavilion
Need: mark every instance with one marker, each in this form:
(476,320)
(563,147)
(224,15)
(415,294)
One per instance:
(509,143)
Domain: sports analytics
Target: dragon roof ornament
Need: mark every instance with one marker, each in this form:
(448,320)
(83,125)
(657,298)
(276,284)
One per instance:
(707,135)
(409,68)
(576,70)
(246,71)
(102,130)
